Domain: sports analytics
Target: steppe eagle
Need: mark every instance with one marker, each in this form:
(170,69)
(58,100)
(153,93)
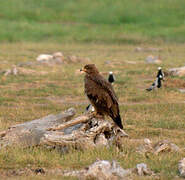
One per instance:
(101,94)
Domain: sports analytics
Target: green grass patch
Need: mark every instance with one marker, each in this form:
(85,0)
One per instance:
(165,116)
(92,21)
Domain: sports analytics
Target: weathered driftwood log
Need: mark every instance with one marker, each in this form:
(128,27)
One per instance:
(59,130)
(30,133)
(78,120)
(181,167)
(84,132)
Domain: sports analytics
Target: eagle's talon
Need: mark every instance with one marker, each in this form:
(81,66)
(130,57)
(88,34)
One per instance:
(92,114)
(99,116)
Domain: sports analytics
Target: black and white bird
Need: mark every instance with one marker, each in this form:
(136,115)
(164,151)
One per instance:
(160,73)
(89,108)
(157,83)
(111,77)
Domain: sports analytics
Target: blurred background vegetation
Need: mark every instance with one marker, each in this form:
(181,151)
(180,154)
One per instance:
(108,21)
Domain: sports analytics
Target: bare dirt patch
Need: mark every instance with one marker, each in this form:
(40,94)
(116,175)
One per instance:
(174,83)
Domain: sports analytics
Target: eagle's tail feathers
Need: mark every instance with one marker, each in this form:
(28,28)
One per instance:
(117,120)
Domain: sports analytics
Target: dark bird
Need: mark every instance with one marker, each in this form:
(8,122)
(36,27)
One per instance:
(89,108)
(157,83)
(39,171)
(160,73)
(111,77)
(101,94)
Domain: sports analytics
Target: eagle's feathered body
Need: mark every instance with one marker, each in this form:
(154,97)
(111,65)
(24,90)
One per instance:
(101,95)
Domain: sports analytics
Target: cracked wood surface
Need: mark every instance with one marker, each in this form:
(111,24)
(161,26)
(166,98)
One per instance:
(61,130)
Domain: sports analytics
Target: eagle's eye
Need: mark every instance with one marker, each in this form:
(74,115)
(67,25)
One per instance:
(87,67)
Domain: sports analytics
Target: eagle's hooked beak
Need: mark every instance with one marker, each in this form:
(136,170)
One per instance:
(84,70)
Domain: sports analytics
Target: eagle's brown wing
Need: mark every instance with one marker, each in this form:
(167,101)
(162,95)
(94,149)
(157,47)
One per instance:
(101,95)
(104,84)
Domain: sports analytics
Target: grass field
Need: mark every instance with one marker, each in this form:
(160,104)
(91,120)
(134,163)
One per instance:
(155,115)
(107,32)
(121,21)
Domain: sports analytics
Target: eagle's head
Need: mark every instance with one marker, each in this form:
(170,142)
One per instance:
(90,69)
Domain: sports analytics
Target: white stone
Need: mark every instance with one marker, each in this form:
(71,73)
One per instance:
(152,59)
(103,170)
(44,57)
(142,169)
(182,90)
(181,167)
(147,141)
(177,71)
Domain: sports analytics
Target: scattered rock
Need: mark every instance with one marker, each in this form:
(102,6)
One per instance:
(12,71)
(140,49)
(101,170)
(105,170)
(177,71)
(165,146)
(44,57)
(146,147)
(20,70)
(147,141)
(108,62)
(56,58)
(153,60)
(182,90)
(161,146)
(181,167)
(142,169)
